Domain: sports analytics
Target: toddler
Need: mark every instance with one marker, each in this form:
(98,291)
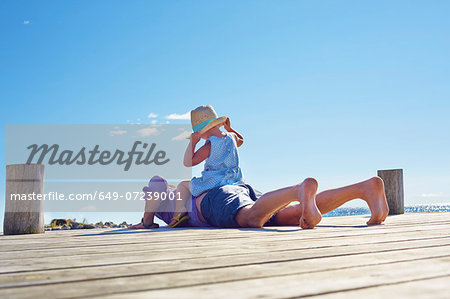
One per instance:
(219,153)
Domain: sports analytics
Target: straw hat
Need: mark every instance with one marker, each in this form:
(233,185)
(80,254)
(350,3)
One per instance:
(204,118)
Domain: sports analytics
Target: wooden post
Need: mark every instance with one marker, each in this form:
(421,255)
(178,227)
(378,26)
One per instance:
(24,216)
(393,185)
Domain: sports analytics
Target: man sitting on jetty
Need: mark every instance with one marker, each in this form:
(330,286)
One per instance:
(234,206)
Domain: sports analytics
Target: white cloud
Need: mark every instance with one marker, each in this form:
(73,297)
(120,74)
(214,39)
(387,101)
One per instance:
(117,131)
(147,132)
(152,115)
(432,194)
(26,22)
(154,121)
(182,136)
(187,115)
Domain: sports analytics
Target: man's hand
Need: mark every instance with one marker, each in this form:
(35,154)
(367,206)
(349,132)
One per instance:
(227,125)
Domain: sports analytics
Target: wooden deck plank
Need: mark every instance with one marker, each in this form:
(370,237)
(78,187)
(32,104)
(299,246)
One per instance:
(271,280)
(308,284)
(297,246)
(282,233)
(316,235)
(345,220)
(435,288)
(107,236)
(350,222)
(426,249)
(345,255)
(141,248)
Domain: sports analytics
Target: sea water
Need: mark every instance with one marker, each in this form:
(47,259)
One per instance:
(421,208)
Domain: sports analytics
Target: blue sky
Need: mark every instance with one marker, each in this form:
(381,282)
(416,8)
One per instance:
(330,89)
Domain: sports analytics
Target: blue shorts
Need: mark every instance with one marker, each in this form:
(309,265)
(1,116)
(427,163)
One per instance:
(221,204)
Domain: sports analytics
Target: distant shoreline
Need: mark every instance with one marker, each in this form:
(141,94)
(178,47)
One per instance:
(419,208)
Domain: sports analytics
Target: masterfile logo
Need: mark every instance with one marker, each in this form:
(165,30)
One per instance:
(100,168)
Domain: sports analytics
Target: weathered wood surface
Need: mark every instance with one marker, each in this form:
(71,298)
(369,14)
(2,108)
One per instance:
(407,256)
(393,184)
(24,216)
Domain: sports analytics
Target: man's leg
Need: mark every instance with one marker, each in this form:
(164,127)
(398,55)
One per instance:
(257,214)
(371,191)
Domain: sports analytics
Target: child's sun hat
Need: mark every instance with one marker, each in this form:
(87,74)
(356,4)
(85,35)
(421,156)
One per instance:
(204,118)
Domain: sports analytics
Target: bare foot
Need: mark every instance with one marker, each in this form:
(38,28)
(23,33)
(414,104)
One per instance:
(311,215)
(376,199)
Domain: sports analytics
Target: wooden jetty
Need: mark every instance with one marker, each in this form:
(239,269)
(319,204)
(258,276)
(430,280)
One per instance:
(408,256)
